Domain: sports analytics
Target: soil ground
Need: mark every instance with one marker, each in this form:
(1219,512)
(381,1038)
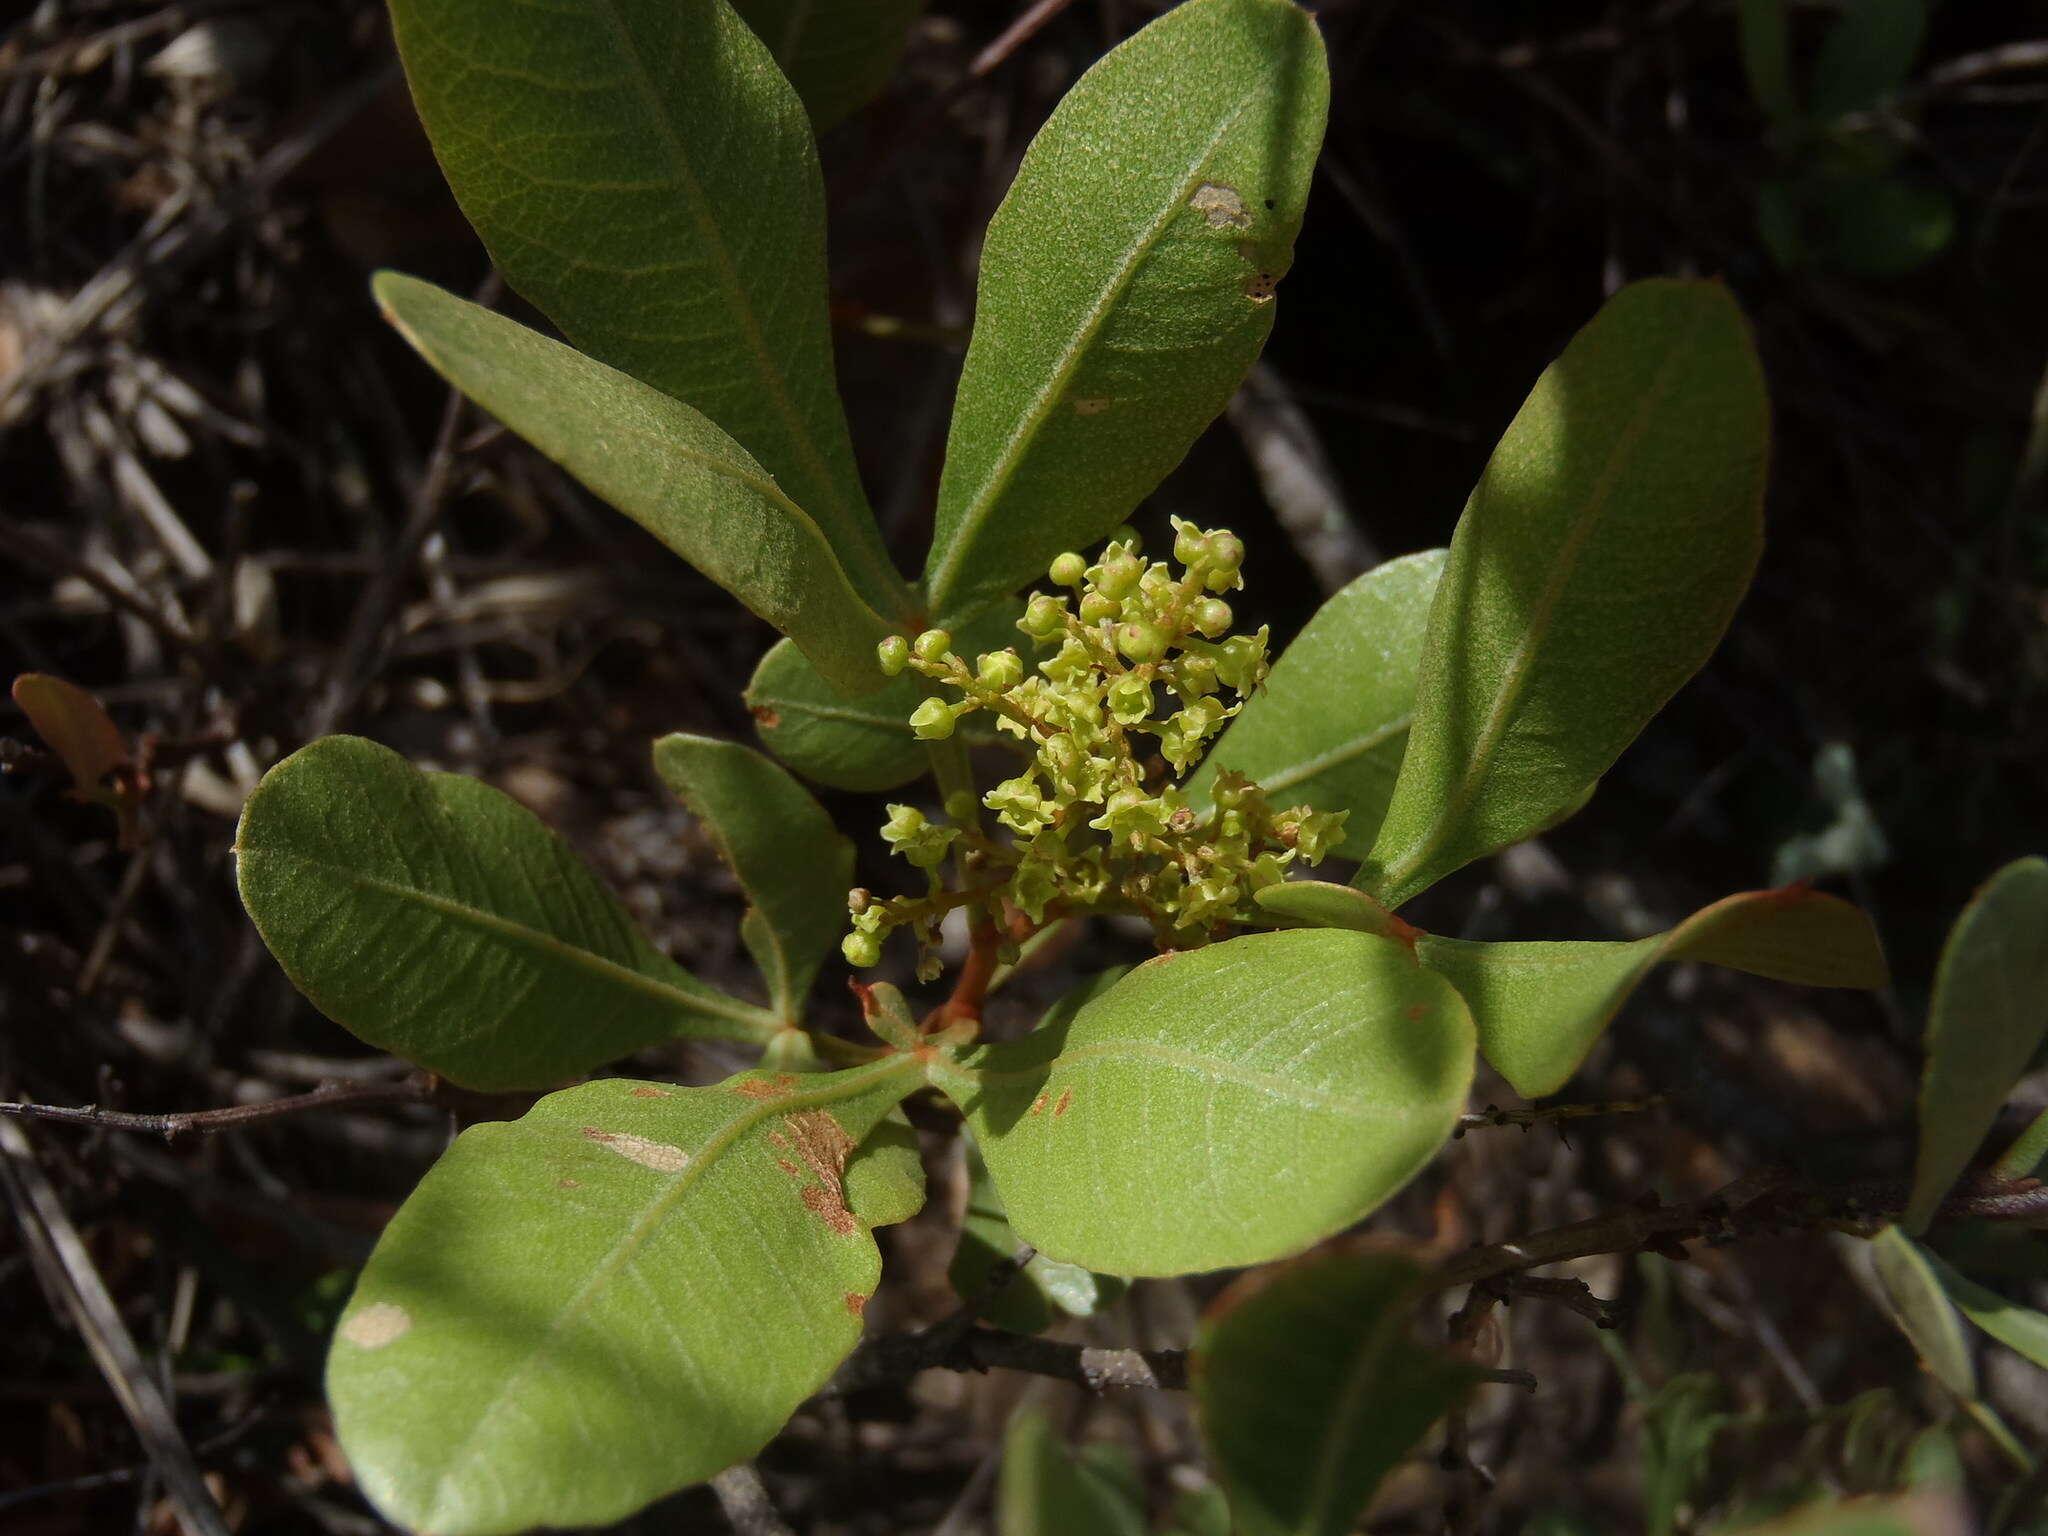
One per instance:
(238,510)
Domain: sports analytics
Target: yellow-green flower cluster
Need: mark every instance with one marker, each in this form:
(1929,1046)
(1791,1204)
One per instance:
(1142,674)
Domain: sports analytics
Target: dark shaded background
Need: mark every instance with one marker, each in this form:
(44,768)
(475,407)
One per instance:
(216,513)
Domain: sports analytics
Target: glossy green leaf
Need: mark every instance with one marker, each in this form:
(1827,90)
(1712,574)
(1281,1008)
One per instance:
(1595,568)
(1540,1006)
(1046,1491)
(1923,1311)
(837,53)
(660,462)
(1866,56)
(2017,1326)
(792,862)
(1221,1106)
(864,743)
(1126,286)
(437,918)
(1041,1293)
(644,174)
(1310,1387)
(1986,1020)
(885,1180)
(1330,726)
(621,1293)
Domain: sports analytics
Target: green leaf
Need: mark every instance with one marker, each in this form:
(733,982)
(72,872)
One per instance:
(1539,1006)
(862,744)
(623,1292)
(1046,1492)
(790,859)
(643,173)
(2018,1327)
(1310,1388)
(1866,56)
(1126,286)
(1989,1013)
(1044,1291)
(838,54)
(1221,1106)
(1330,726)
(1320,904)
(437,918)
(885,1180)
(1766,60)
(660,462)
(1923,1311)
(1594,570)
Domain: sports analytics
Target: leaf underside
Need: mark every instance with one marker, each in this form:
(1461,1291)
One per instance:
(621,1293)
(1222,1106)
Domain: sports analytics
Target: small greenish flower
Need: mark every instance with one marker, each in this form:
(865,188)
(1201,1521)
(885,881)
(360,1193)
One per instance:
(934,645)
(1018,804)
(1067,570)
(932,720)
(893,655)
(1000,670)
(861,949)
(1130,699)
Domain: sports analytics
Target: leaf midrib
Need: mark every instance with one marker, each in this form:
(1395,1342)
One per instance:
(517,933)
(657,1209)
(737,299)
(1521,665)
(1018,447)
(1199,1065)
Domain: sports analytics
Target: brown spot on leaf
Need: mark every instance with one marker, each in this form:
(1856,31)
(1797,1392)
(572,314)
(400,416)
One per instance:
(644,1092)
(789,1168)
(765,1088)
(377,1325)
(765,717)
(568,1183)
(1091,405)
(823,1146)
(856,1303)
(1066,1098)
(1220,205)
(1259,287)
(658,1155)
(1038,1105)
(1416,1011)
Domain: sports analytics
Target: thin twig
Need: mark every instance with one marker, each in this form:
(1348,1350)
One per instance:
(419,1088)
(898,1357)
(1493,1115)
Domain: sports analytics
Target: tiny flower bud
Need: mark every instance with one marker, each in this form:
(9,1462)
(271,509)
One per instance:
(1189,542)
(1067,570)
(1095,608)
(931,721)
(894,655)
(859,899)
(1141,642)
(1043,617)
(861,949)
(1001,670)
(1119,576)
(932,645)
(1211,616)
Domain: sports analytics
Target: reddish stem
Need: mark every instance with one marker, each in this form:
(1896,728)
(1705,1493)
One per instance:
(971,990)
